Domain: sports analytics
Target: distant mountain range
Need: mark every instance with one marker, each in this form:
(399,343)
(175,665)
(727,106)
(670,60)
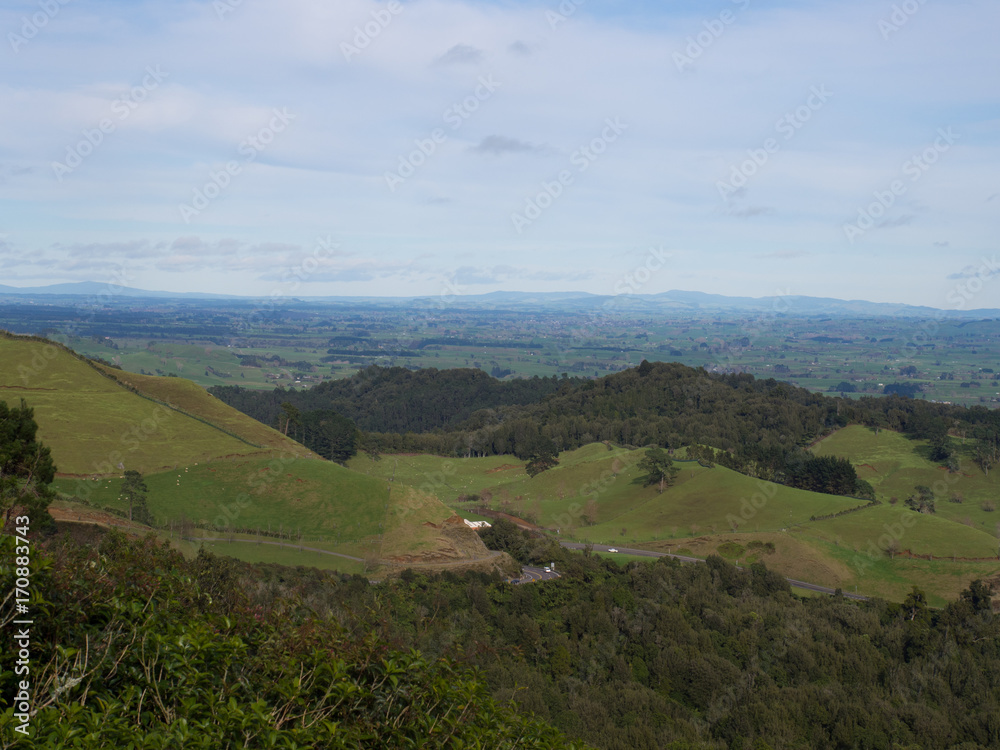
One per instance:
(96,289)
(676,302)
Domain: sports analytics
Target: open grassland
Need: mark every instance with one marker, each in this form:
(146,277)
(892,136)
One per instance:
(255,552)
(95,426)
(878,575)
(207,364)
(594,492)
(710,500)
(202,462)
(193,399)
(797,556)
(318,499)
(79,519)
(895,465)
(918,533)
(597,495)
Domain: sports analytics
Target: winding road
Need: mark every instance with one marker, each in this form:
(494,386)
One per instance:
(530,573)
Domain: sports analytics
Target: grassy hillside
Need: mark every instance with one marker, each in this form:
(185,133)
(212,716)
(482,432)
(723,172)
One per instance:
(322,499)
(205,464)
(895,465)
(595,494)
(193,399)
(94,425)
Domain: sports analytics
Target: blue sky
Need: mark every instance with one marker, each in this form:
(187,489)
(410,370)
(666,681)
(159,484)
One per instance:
(845,149)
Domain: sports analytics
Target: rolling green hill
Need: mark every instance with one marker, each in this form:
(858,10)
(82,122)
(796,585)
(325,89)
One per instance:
(895,465)
(594,492)
(596,495)
(94,425)
(211,471)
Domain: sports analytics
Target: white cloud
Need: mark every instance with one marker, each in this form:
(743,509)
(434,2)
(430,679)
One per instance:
(355,118)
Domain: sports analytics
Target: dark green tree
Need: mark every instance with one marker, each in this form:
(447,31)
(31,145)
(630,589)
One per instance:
(987,453)
(940,450)
(543,457)
(922,499)
(134,492)
(330,434)
(289,415)
(659,467)
(26,467)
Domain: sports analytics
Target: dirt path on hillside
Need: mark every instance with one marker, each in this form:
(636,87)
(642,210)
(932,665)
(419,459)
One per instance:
(300,547)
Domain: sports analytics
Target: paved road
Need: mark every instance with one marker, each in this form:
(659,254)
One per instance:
(529,574)
(683,558)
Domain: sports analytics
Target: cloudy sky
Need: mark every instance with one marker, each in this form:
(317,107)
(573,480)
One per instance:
(845,149)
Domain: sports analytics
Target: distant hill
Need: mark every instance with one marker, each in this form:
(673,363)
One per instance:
(676,302)
(95,289)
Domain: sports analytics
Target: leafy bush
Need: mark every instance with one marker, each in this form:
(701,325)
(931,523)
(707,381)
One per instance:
(136,647)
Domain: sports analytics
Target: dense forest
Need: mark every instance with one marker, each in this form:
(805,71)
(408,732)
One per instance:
(395,399)
(214,653)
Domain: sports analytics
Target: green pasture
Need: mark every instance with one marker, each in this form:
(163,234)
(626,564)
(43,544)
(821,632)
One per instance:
(316,498)
(895,465)
(92,424)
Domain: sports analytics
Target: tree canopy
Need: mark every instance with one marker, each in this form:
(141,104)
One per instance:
(26,466)
(659,467)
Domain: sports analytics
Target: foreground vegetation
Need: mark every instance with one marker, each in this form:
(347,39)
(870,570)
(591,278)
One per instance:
(134,646)
(140,645)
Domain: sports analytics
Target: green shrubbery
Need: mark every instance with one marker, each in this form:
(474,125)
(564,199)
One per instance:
(132,646)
